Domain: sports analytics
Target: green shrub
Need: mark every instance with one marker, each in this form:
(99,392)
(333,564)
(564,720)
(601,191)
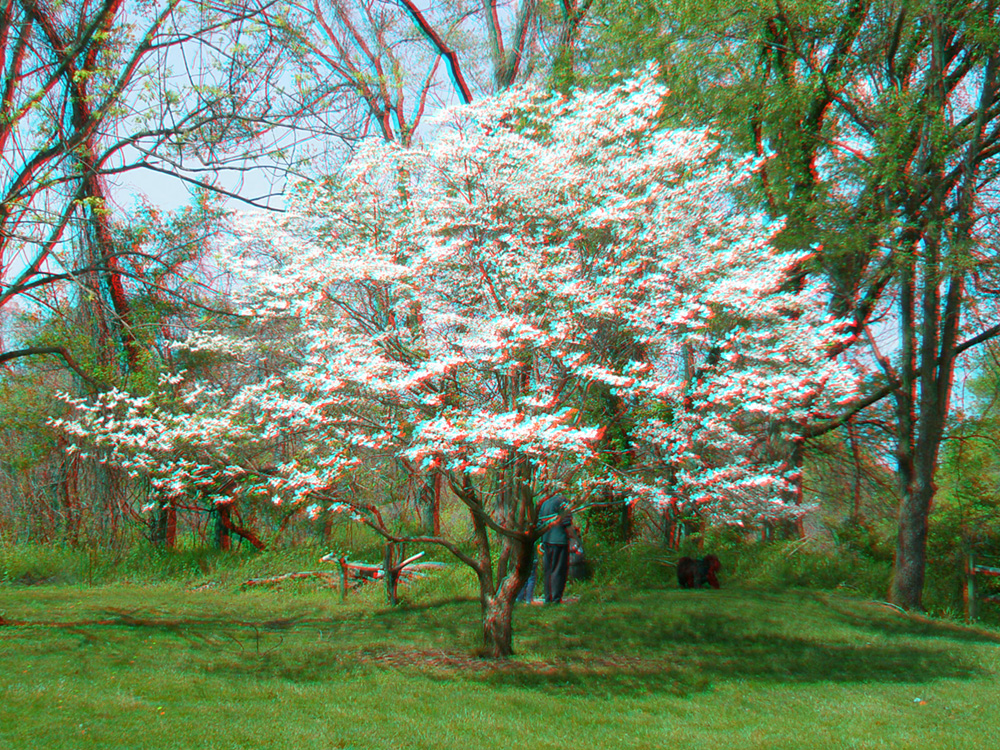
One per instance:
(29,563)
(807,564)
(776,565)
(635,565)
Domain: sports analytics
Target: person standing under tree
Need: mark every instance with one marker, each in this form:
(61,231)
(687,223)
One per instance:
(555,514)
(527,591)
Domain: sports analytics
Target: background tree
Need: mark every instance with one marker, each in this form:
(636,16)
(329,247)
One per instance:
(96,90)
(89,92)
(882,123)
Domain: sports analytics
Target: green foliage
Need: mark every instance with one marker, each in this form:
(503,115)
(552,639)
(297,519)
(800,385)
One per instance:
(25,403)
(806,564)
(966,517)
(846,135)
(848,470)
(638,564)
(967,512)
(776,566)
(860,537)
(38,563)
(140,563)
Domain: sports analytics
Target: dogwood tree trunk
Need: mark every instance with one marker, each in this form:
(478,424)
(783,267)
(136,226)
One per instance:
(498,633)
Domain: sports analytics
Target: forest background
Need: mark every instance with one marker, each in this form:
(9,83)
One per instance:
(876,126)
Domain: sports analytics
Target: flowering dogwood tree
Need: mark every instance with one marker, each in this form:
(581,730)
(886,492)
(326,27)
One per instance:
(457,304)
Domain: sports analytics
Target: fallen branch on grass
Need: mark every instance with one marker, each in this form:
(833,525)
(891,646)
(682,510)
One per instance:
(374,572)
(353,574)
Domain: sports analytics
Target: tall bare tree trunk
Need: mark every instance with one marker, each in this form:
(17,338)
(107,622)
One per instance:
(429,503)
(164,531)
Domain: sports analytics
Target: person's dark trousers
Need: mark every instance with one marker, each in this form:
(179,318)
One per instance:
(555,564)
(527,592)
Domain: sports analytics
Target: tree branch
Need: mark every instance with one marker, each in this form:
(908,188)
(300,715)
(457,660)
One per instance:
(59,351)
(435,39)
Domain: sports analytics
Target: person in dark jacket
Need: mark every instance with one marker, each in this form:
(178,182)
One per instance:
(554,516)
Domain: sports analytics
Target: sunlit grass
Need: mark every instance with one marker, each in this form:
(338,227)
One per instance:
(165,666)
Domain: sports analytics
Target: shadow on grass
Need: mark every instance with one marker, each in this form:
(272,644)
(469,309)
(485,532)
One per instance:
(658,642)
(882,619)
(639,645)
(703,638)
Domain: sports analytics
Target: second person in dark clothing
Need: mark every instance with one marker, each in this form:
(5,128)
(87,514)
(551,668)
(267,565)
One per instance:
(555,545)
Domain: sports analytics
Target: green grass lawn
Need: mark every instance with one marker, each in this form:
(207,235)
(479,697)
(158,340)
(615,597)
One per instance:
(159,666)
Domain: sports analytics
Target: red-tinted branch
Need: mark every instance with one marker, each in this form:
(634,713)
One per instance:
(443,49)
(227,522)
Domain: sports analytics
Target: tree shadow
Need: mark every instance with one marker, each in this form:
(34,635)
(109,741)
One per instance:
(882,619)
(637,645)
(696,646)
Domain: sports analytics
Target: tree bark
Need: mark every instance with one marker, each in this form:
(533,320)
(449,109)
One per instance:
(429,504)
(390,574)
(223,523)
(226,525)
(907,582)
(498,605)
(498,632)
(164,529)
(497,601)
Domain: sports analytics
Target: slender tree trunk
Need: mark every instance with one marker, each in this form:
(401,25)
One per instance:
(794,466)
(852,440)
(223,523)
(158,525)
(165,525)
(908,574)
(71,496)
(626,518)
(429,504)
(171,538)
(391,578)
